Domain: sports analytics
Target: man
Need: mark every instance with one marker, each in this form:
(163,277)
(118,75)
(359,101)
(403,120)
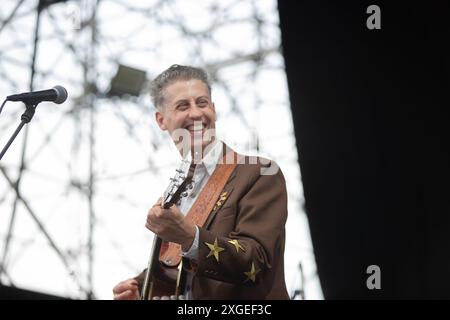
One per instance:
(238,252)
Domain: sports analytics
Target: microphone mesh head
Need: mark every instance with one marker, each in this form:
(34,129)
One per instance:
(61,94)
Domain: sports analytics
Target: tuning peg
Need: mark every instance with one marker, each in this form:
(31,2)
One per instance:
(184,194)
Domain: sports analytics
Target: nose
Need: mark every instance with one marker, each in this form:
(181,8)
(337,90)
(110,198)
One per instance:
(195,112)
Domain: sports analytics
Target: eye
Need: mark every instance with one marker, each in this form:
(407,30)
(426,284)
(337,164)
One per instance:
(203,103)
(182,106)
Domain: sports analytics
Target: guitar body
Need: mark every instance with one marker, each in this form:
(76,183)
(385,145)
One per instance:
(164,285)
(166,281)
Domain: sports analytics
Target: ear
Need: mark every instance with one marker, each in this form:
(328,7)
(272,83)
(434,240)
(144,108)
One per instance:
(160,120)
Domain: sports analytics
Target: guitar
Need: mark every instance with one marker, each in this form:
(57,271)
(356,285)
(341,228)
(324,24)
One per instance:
(162,281)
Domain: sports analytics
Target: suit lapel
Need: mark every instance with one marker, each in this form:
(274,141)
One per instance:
(224,194)
(228,189)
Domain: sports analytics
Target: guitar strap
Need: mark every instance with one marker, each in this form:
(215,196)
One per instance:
(170,253)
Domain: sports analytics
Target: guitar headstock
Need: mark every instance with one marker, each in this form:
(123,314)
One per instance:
(178,184)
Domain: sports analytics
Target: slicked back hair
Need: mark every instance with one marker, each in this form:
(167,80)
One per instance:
(175,73)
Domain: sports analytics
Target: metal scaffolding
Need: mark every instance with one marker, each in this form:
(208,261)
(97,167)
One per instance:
(77,183)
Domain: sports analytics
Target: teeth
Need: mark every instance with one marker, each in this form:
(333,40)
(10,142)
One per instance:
(196,128)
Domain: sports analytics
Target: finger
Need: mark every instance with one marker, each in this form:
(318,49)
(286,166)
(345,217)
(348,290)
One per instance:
(174,211)
(159,213)
(129,284)
(172,214)
(152,227)
(133,282)
(127,295)
(152,218)
(158,202)
(155,212)
(125,285)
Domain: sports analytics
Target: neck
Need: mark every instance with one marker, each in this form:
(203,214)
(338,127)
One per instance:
(197,152)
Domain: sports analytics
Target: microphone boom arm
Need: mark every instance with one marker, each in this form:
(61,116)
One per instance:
(25,118)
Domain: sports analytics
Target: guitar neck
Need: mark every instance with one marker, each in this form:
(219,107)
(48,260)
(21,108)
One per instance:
(171,196)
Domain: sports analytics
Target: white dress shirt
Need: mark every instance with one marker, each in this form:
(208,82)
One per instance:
(202,173)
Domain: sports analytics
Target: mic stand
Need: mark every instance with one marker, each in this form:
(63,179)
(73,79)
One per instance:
(26,117)
(300,291)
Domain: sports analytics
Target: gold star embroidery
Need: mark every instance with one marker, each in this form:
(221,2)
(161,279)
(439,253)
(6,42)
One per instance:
(222,198)
(223,195)
(236,244)
(215,250)
(251,275)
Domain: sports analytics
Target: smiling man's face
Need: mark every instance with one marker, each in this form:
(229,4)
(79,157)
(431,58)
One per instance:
(188,106)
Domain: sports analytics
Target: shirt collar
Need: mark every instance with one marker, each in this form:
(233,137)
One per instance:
(211,159)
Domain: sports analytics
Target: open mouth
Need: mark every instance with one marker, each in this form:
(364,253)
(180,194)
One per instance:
(197,128)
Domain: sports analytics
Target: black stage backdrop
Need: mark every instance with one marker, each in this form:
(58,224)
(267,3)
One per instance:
(371,122)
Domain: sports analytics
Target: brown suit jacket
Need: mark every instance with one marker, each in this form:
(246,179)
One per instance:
(254,214)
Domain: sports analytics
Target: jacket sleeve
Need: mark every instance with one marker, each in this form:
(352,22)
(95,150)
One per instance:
(247,254)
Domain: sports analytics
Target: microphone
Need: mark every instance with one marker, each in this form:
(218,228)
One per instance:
(57,94)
